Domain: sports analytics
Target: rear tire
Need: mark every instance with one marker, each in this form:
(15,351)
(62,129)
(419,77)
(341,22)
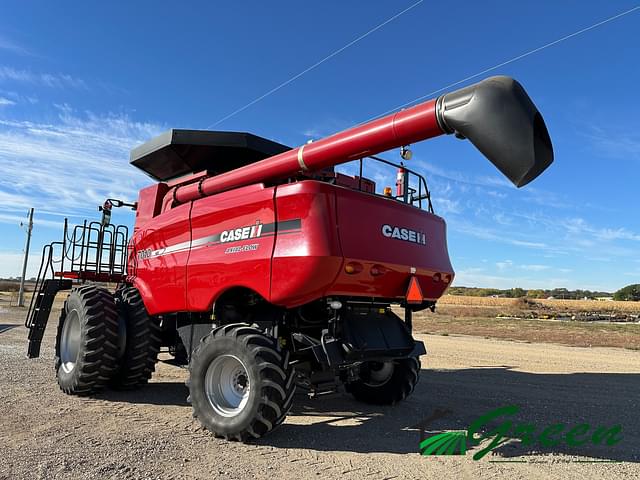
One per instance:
(139,342)
(386,383)
(86,342)
(241,384)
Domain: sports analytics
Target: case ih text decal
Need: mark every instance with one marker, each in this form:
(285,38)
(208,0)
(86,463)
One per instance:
(400,233)
(241,233)
(257,230)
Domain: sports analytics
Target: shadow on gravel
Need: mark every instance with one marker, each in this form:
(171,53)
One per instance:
(154,393)
(6,327)
(452,400)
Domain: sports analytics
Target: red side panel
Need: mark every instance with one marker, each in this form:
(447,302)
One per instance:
(158,260)
(233,236)
(149,203)
(391,241)
(306,260)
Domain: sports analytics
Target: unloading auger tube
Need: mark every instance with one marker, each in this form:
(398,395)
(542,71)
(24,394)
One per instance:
(496,115)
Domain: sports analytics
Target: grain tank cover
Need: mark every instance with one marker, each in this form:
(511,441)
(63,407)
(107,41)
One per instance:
(180,152)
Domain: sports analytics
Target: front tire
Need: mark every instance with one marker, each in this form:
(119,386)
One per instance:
(386,383)
(86,342)
(241,384)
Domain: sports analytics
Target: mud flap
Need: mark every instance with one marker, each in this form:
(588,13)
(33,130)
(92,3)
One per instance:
(370,335)
(191,333)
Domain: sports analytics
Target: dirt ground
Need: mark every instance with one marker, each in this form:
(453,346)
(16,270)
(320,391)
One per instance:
(576,334)
(149,433)
(537,321)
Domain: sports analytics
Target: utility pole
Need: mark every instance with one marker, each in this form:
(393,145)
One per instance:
(26,259)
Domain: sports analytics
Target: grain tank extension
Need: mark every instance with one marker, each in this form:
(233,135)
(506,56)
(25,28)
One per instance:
(265,270)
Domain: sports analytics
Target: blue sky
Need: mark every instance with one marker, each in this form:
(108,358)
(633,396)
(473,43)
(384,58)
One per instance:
(81,83)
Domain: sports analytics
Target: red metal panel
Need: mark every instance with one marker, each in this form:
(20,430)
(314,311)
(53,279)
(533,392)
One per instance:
(393,253)
(218,261)
(305,261)
(158,260)
(149,203)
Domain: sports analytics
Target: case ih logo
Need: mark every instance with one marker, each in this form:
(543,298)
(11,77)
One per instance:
(257,230)
(405,234)
(242,233)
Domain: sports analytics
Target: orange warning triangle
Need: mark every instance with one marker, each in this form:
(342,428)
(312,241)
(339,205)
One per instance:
(414,292)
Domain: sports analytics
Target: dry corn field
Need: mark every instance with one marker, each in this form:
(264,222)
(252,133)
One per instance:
(557,304)
(580,323)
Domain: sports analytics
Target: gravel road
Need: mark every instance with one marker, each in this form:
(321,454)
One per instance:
(149,433)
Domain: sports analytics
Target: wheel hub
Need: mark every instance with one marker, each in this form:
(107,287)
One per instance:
(227,385)
(70,341)
(379,373)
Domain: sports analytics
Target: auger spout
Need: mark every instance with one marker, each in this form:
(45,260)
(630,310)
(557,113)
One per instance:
(496,115)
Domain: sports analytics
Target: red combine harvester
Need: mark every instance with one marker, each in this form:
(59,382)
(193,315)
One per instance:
(263,269)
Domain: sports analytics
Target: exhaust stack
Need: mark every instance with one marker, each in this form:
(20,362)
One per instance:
(496,115)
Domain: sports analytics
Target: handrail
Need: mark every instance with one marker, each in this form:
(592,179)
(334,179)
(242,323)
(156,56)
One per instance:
(422,182)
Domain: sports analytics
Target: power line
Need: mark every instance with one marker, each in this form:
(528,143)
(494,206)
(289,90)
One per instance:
(514,59)
(308,69)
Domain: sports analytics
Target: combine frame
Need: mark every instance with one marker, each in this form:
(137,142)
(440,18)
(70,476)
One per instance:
(263,269)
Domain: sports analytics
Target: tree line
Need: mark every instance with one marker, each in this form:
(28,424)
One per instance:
(628,293)
(562,293)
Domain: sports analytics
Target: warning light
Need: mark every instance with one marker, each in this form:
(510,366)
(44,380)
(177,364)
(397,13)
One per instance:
(353,267)
(377,270)
(414,292)
(387,191)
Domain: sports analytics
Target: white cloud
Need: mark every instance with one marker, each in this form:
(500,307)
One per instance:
(534,268)
(616,234)
(53,80)
(327,127)
(71,165)
(504,265)
(16,98)
(17,219)
(510,265)
(5,102)
(460,177)
(615,142)
(473,277)
(6,44)
(486,233)
(446,206)
(579,227)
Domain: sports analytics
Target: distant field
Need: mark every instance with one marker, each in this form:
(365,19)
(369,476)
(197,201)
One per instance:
(555,304)
(545,321)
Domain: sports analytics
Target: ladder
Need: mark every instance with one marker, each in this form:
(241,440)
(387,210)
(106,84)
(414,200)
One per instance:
(39,310)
